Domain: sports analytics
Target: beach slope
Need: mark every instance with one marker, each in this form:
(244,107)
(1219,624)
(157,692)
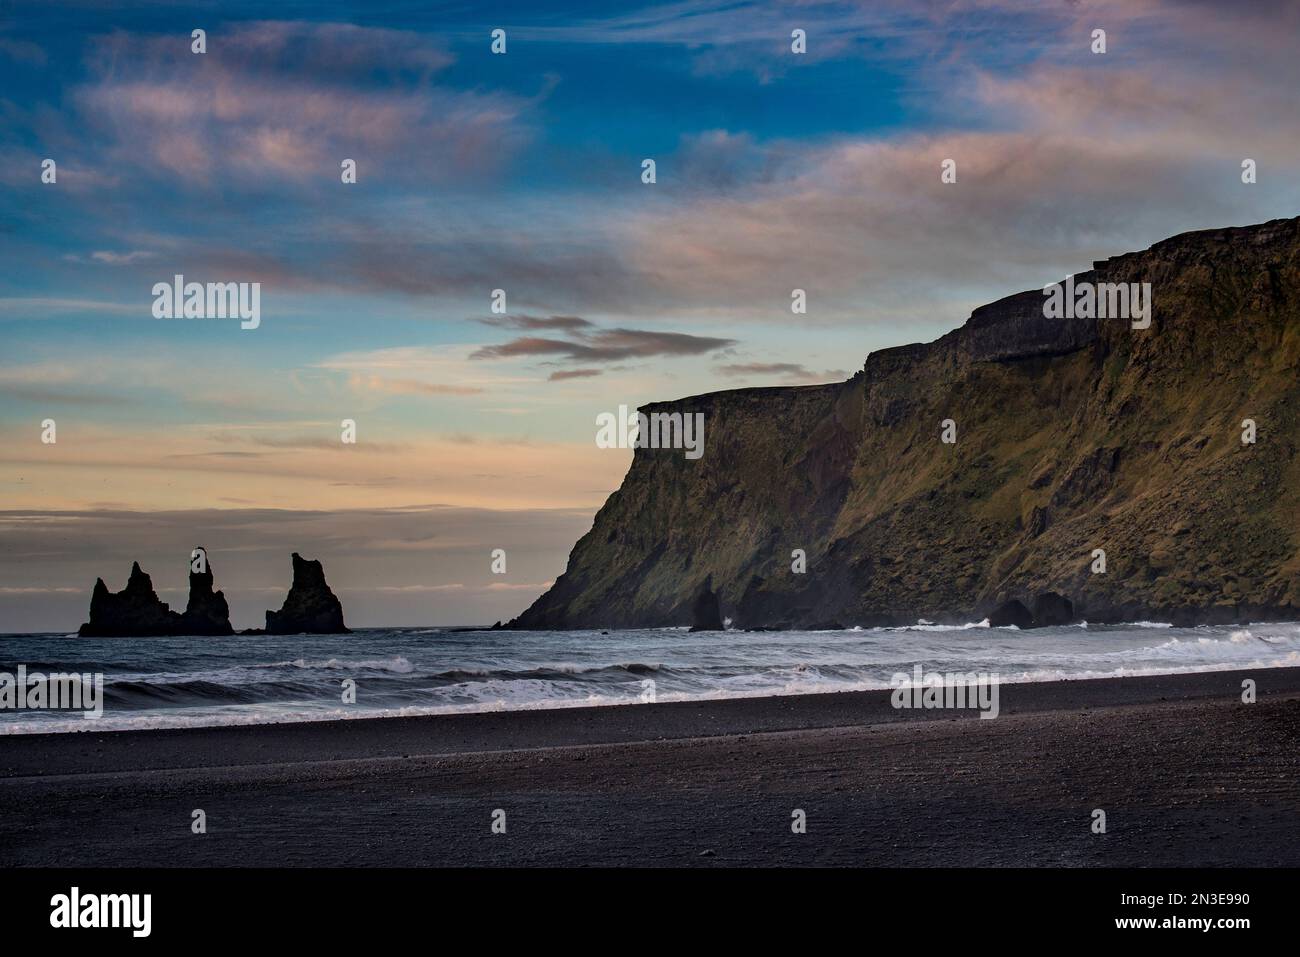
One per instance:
(1186,773)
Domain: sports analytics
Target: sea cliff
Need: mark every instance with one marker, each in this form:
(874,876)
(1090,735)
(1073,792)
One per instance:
(1074,437)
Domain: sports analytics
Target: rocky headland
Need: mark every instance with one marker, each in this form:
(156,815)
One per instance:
(1095,462)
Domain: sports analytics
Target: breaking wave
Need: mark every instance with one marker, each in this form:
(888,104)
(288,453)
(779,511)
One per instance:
(265,679)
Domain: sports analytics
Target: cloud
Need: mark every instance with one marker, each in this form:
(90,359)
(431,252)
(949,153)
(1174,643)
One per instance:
(40,395)
(788,372)
(723,36)
(292,100)
(573,374)
(314,442)
(120,259)
(41,307)
(566,323)
(413,370)
(409,386)
(762,368)
(143,467)
(606,345)
(1062,157)
(23,51)
(845,222)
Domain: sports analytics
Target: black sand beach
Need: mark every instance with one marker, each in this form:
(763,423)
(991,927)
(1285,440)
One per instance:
(1187,774)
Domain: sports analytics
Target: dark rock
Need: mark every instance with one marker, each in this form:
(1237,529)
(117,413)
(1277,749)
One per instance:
(206,613)
(1011,612)
(135,611)
(1090,478)
(1050,609)
(310,607)
(706,615)
(1053,609)
(1038,522)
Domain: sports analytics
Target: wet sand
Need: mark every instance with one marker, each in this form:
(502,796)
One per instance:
(1186,773)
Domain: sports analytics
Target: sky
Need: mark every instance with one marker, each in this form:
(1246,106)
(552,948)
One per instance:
(522,171)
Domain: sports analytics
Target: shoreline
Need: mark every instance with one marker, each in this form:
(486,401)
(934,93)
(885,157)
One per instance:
(866,696)
(1187,773)
(1213,616)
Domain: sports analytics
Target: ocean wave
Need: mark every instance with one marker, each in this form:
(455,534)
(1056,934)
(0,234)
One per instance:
(146,694)
(496,694)
(415,671)
(398,665)
(930,626)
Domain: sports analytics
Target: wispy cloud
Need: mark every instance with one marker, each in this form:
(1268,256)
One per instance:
(41,307)
(564,374)
(567,323)
(786,371)
(410,386)
(121,259)
(23,51)
(606,345)
(292,100)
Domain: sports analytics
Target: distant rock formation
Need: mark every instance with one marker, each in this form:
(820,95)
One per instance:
(706,615)
(206,613)
(135,611)
(310,607)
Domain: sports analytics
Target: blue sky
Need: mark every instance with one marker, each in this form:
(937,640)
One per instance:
(521,171)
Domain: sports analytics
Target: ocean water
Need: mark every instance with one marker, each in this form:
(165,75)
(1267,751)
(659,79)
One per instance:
(185,682)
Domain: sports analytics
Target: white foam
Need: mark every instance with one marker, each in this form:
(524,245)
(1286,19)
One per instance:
(398,665)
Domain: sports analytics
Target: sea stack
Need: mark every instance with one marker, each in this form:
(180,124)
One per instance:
(207,612)
(135,611)
(310,607)
(706,615)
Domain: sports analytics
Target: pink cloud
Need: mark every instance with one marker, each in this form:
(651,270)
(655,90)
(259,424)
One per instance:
(236,108)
